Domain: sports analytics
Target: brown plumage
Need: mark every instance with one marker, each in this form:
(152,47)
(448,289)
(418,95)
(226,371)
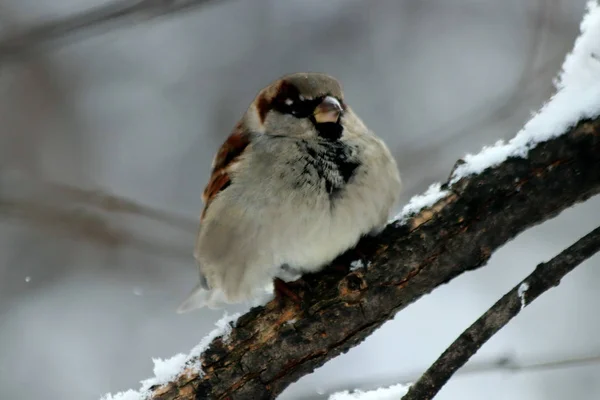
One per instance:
(298,181)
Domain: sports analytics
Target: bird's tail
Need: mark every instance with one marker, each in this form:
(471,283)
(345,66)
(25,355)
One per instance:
(200,297)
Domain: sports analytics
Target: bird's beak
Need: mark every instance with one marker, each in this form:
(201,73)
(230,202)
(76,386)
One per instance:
(328,111)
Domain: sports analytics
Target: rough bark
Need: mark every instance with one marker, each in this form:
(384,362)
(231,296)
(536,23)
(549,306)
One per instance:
(274,345)
(545,276)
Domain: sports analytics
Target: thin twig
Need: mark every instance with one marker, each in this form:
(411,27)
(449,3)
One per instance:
(117,204)
(87,225)
(545,276)
(119,11)
(502,364)
(32,187)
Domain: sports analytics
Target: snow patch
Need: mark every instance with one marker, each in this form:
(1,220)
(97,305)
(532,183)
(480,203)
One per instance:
(223,328)
(577,98)
(420,201)
(394,392)
(523,287)
(576,70)
(356,264)
(166,370)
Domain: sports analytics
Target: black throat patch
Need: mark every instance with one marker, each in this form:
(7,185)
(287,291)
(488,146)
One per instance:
(328,162)
(330,130)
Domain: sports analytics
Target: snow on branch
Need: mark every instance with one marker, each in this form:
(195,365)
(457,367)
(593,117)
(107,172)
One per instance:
(553,163)
(545,276)
(577,99)
(167,370)
(393,392)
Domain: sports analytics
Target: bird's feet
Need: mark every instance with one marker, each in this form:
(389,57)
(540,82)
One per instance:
(290,290)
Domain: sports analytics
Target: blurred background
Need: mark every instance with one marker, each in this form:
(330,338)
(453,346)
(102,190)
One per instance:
(106,139)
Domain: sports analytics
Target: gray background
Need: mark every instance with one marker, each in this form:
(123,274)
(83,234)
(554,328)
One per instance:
(87,295)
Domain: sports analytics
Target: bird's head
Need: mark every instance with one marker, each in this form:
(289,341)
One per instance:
(307,105)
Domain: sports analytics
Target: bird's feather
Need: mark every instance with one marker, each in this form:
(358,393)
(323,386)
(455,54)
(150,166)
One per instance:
(224,161)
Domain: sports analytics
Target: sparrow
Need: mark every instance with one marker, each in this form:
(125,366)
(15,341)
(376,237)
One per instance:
(298,182)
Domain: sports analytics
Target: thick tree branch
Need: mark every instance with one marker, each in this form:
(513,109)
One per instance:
(545,276)
(274,345)
(119,11)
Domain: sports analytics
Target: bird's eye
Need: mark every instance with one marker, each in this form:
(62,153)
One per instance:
(298,107)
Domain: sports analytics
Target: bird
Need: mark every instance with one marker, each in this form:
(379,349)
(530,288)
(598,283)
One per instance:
(299,181)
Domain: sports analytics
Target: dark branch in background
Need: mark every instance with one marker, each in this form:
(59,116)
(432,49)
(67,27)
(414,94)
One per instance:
(115,204)
(87,225)
(545,276)
(273,346)
(92,215)
(506,364)
(119,11)
(32,187)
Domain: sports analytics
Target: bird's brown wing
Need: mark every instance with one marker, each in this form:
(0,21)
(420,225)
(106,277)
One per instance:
(227,156)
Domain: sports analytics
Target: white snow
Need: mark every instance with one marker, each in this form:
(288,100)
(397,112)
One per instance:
(27,279)
(521,291)
(577,98)
(394,392)
(416,203)
(166,370)
(356,264)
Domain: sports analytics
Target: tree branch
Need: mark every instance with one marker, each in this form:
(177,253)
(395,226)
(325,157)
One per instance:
(93,215)
(274,345)
(119,11)
(545,276)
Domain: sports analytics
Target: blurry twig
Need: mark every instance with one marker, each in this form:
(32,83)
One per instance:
(81,224)
(119,11)
(116,204)
(510,364)
(89,214)
(545,276)
(513,366)
(500,364)
(86,225)
(28,186)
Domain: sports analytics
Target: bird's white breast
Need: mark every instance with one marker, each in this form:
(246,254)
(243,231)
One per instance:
(278,210)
